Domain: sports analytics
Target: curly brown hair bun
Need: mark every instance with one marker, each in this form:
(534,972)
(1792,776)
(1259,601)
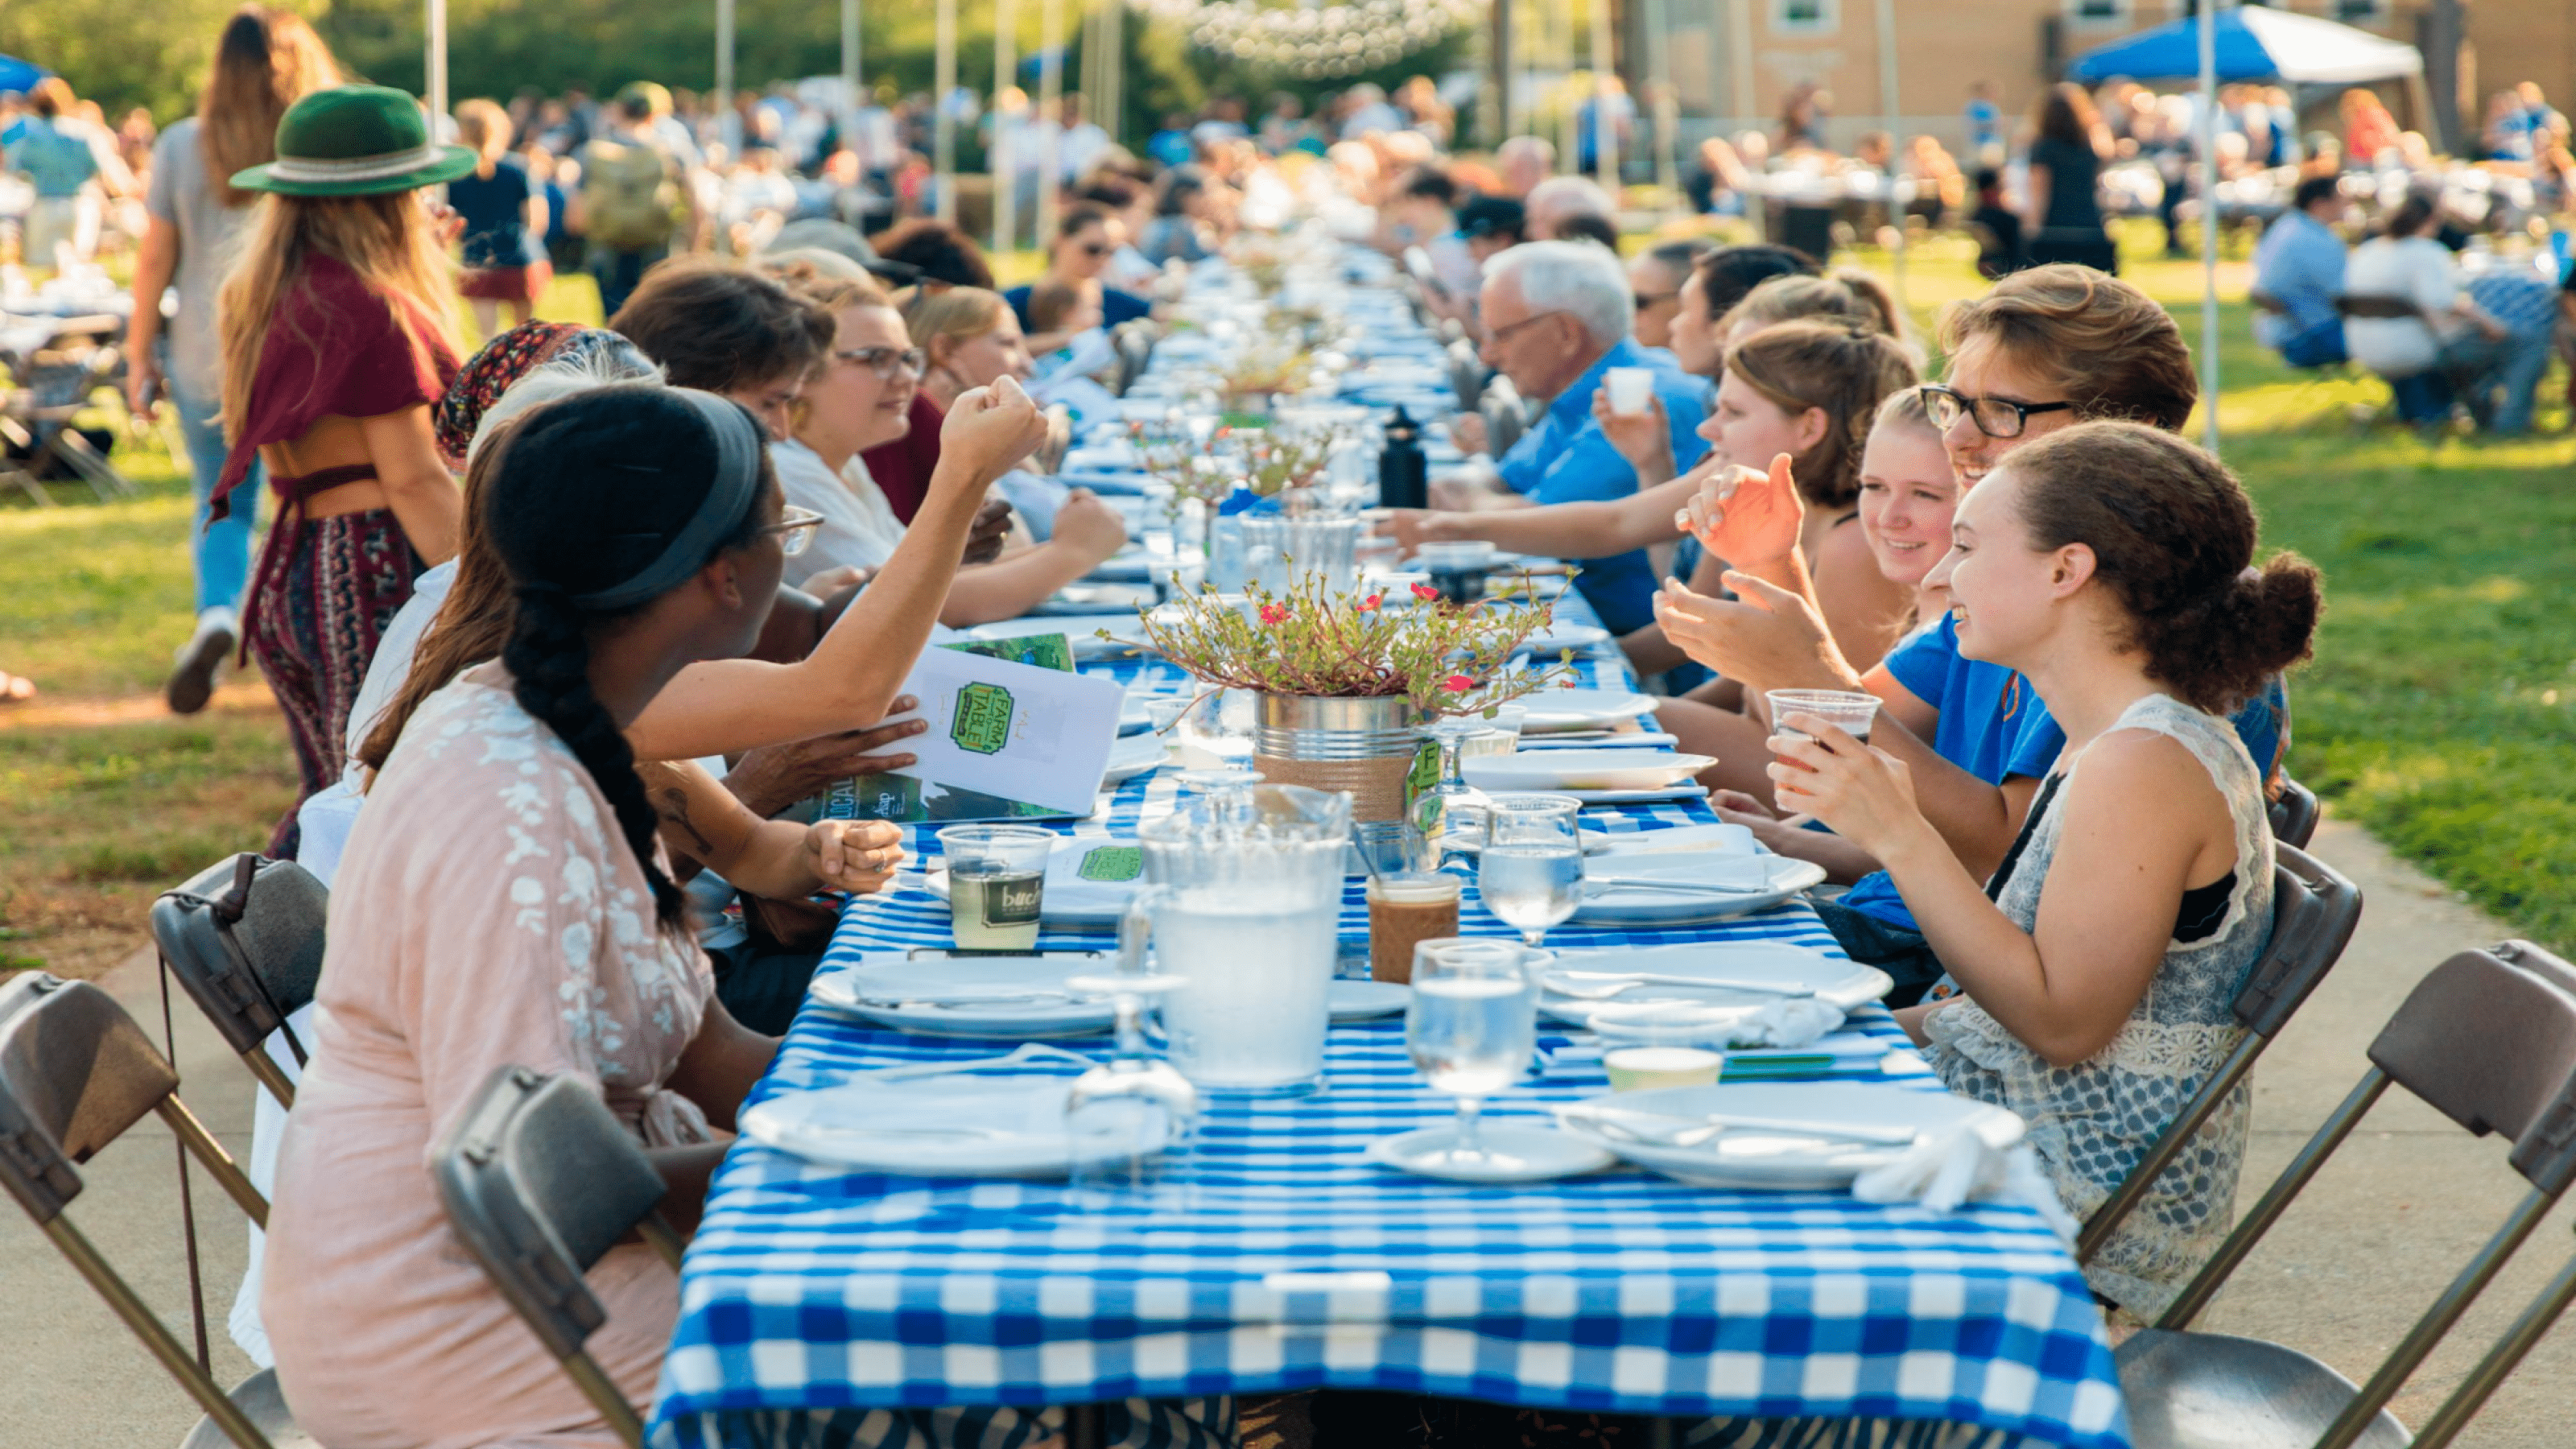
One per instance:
(2173,536)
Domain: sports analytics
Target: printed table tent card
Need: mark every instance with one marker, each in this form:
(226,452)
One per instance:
(1014,734)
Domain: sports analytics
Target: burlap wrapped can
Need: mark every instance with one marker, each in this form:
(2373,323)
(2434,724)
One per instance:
(1370,747)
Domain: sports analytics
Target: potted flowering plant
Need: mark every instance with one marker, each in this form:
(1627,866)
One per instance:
(1344,681)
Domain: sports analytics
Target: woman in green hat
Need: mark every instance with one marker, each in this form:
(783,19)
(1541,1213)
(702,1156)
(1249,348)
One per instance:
(339,333)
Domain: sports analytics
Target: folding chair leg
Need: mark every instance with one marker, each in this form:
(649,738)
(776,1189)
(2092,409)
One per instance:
(2330,1136)
(2419,1342)
(202,1145)
(149,1328)
(2501,1360)
(602,1391)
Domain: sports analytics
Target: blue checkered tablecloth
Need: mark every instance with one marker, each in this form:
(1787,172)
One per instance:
(1297,1264)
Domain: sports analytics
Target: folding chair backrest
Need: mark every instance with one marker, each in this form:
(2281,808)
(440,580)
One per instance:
(540,1179)
(2314,912)
(1505,416)
(2352,305)
(2294,815)
(1466,373)
(2265,302)
(245,937)
(2491,1045)
(75,1073)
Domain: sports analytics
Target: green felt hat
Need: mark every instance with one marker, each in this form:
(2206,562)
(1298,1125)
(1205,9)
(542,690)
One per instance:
(355,141)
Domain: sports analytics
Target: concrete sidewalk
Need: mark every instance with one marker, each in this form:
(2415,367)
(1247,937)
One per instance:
(2372,1242)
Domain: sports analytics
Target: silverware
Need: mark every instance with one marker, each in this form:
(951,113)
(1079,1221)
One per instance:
(1582,986)
(1608,884)
(1019,998)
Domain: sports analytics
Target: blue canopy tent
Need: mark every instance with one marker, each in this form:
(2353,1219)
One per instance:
(2254,43)
(19,75)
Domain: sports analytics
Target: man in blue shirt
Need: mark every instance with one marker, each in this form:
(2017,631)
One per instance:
(2299,264)
(1557,318)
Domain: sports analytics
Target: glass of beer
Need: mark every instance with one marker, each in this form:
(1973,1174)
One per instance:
(996,884)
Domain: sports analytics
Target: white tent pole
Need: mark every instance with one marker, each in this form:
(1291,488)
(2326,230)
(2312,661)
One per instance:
(944,113)
(1006,125)
(1605,74)
(1667,108)
(851,105)
(1050,97)
(1740,37)
(724,75)
(434,77)
(2209,222)
(1889,110)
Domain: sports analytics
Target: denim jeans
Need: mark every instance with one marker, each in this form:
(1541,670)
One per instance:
(2319,346)
(2513,363)
(221,550)
(619,273)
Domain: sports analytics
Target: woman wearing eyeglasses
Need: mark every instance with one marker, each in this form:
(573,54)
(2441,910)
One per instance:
(1084,242)
(861,397)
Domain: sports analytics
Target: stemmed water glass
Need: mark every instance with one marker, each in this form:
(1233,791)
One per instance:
(1455,811)
(1531,871)
(1129,1118)
(1470,1029)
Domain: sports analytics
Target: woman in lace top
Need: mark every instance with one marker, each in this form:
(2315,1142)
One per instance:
(2090,981)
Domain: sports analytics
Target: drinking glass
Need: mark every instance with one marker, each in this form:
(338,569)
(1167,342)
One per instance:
(1471,1027)
(1499,734)
(1216,732)
(1848,710)
(1130,1118)
(1453,814)
(1531,871)
(996,884)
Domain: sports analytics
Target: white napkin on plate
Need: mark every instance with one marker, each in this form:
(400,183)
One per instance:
(1785,1021)
(1964,1162)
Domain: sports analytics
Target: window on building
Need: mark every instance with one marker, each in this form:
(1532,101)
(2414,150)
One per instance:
(1804,17)
(2098,12)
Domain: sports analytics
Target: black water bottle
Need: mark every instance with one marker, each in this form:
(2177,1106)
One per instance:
(1403,473)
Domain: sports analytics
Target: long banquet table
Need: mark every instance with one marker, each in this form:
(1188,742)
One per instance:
(1297,1264)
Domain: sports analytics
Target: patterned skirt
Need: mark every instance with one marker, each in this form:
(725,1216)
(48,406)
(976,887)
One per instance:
(1127,1424)
(314,624)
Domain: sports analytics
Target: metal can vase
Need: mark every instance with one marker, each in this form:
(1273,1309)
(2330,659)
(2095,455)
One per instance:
(1372,747)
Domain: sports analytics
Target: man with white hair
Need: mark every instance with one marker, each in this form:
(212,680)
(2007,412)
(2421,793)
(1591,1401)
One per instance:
(1525,161)
(1558,317)
(1552,201)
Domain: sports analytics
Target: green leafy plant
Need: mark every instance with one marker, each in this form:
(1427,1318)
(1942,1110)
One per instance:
(1312,640)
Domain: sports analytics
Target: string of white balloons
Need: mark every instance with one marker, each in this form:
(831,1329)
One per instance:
(1317,41)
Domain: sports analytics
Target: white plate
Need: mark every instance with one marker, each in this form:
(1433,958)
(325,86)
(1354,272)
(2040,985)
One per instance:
(947,1126)
(1516,1153)
(1083,598)
(873,990)
(1081,629)
(1577,637)
(1774,1161)
(1582,770)
(1127,566)
(1089,880)
(1575,709)
(1846,985)
(1130,756)
(1367,1000)
(1768,880)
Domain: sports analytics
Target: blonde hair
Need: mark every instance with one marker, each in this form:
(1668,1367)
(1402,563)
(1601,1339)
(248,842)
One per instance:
(266,61)
(484,128)
(387,239)
(1905,407)
(827,279)
(1847,296)
(1843,368)
(953,315)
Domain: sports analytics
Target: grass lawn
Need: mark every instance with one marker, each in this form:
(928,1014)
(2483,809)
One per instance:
(2440,712)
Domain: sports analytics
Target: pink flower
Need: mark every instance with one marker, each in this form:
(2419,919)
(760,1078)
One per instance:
(1369,604)
(1274,613)
(1457,684)
(1425,592)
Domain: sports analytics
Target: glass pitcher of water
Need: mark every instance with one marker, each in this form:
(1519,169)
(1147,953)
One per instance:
(1244,889)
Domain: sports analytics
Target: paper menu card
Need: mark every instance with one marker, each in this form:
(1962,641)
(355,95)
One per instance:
(1013,730)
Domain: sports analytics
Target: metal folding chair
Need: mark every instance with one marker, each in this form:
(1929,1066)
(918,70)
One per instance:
(1466,373)
(2294,815)
(1506,416)
(2314,911)
(540,1179)
(244,937)
(1134,342)
(2488,1039)
(75,1072)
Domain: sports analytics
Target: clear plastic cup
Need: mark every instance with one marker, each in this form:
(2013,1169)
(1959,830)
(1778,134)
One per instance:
(1631,389)
(1850,711)
(996,884)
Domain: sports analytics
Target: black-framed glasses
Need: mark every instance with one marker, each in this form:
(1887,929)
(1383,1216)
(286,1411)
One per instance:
(796,528)
(1996,417)
(884,360)
(1645,300)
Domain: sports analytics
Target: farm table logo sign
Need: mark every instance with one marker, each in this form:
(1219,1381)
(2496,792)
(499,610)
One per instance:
(981,721)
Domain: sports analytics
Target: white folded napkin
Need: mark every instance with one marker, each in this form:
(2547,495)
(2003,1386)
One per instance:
(1788,1021)
(1964,1162)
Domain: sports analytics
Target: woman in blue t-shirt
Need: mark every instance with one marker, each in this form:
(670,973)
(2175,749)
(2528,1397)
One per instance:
(504,216)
